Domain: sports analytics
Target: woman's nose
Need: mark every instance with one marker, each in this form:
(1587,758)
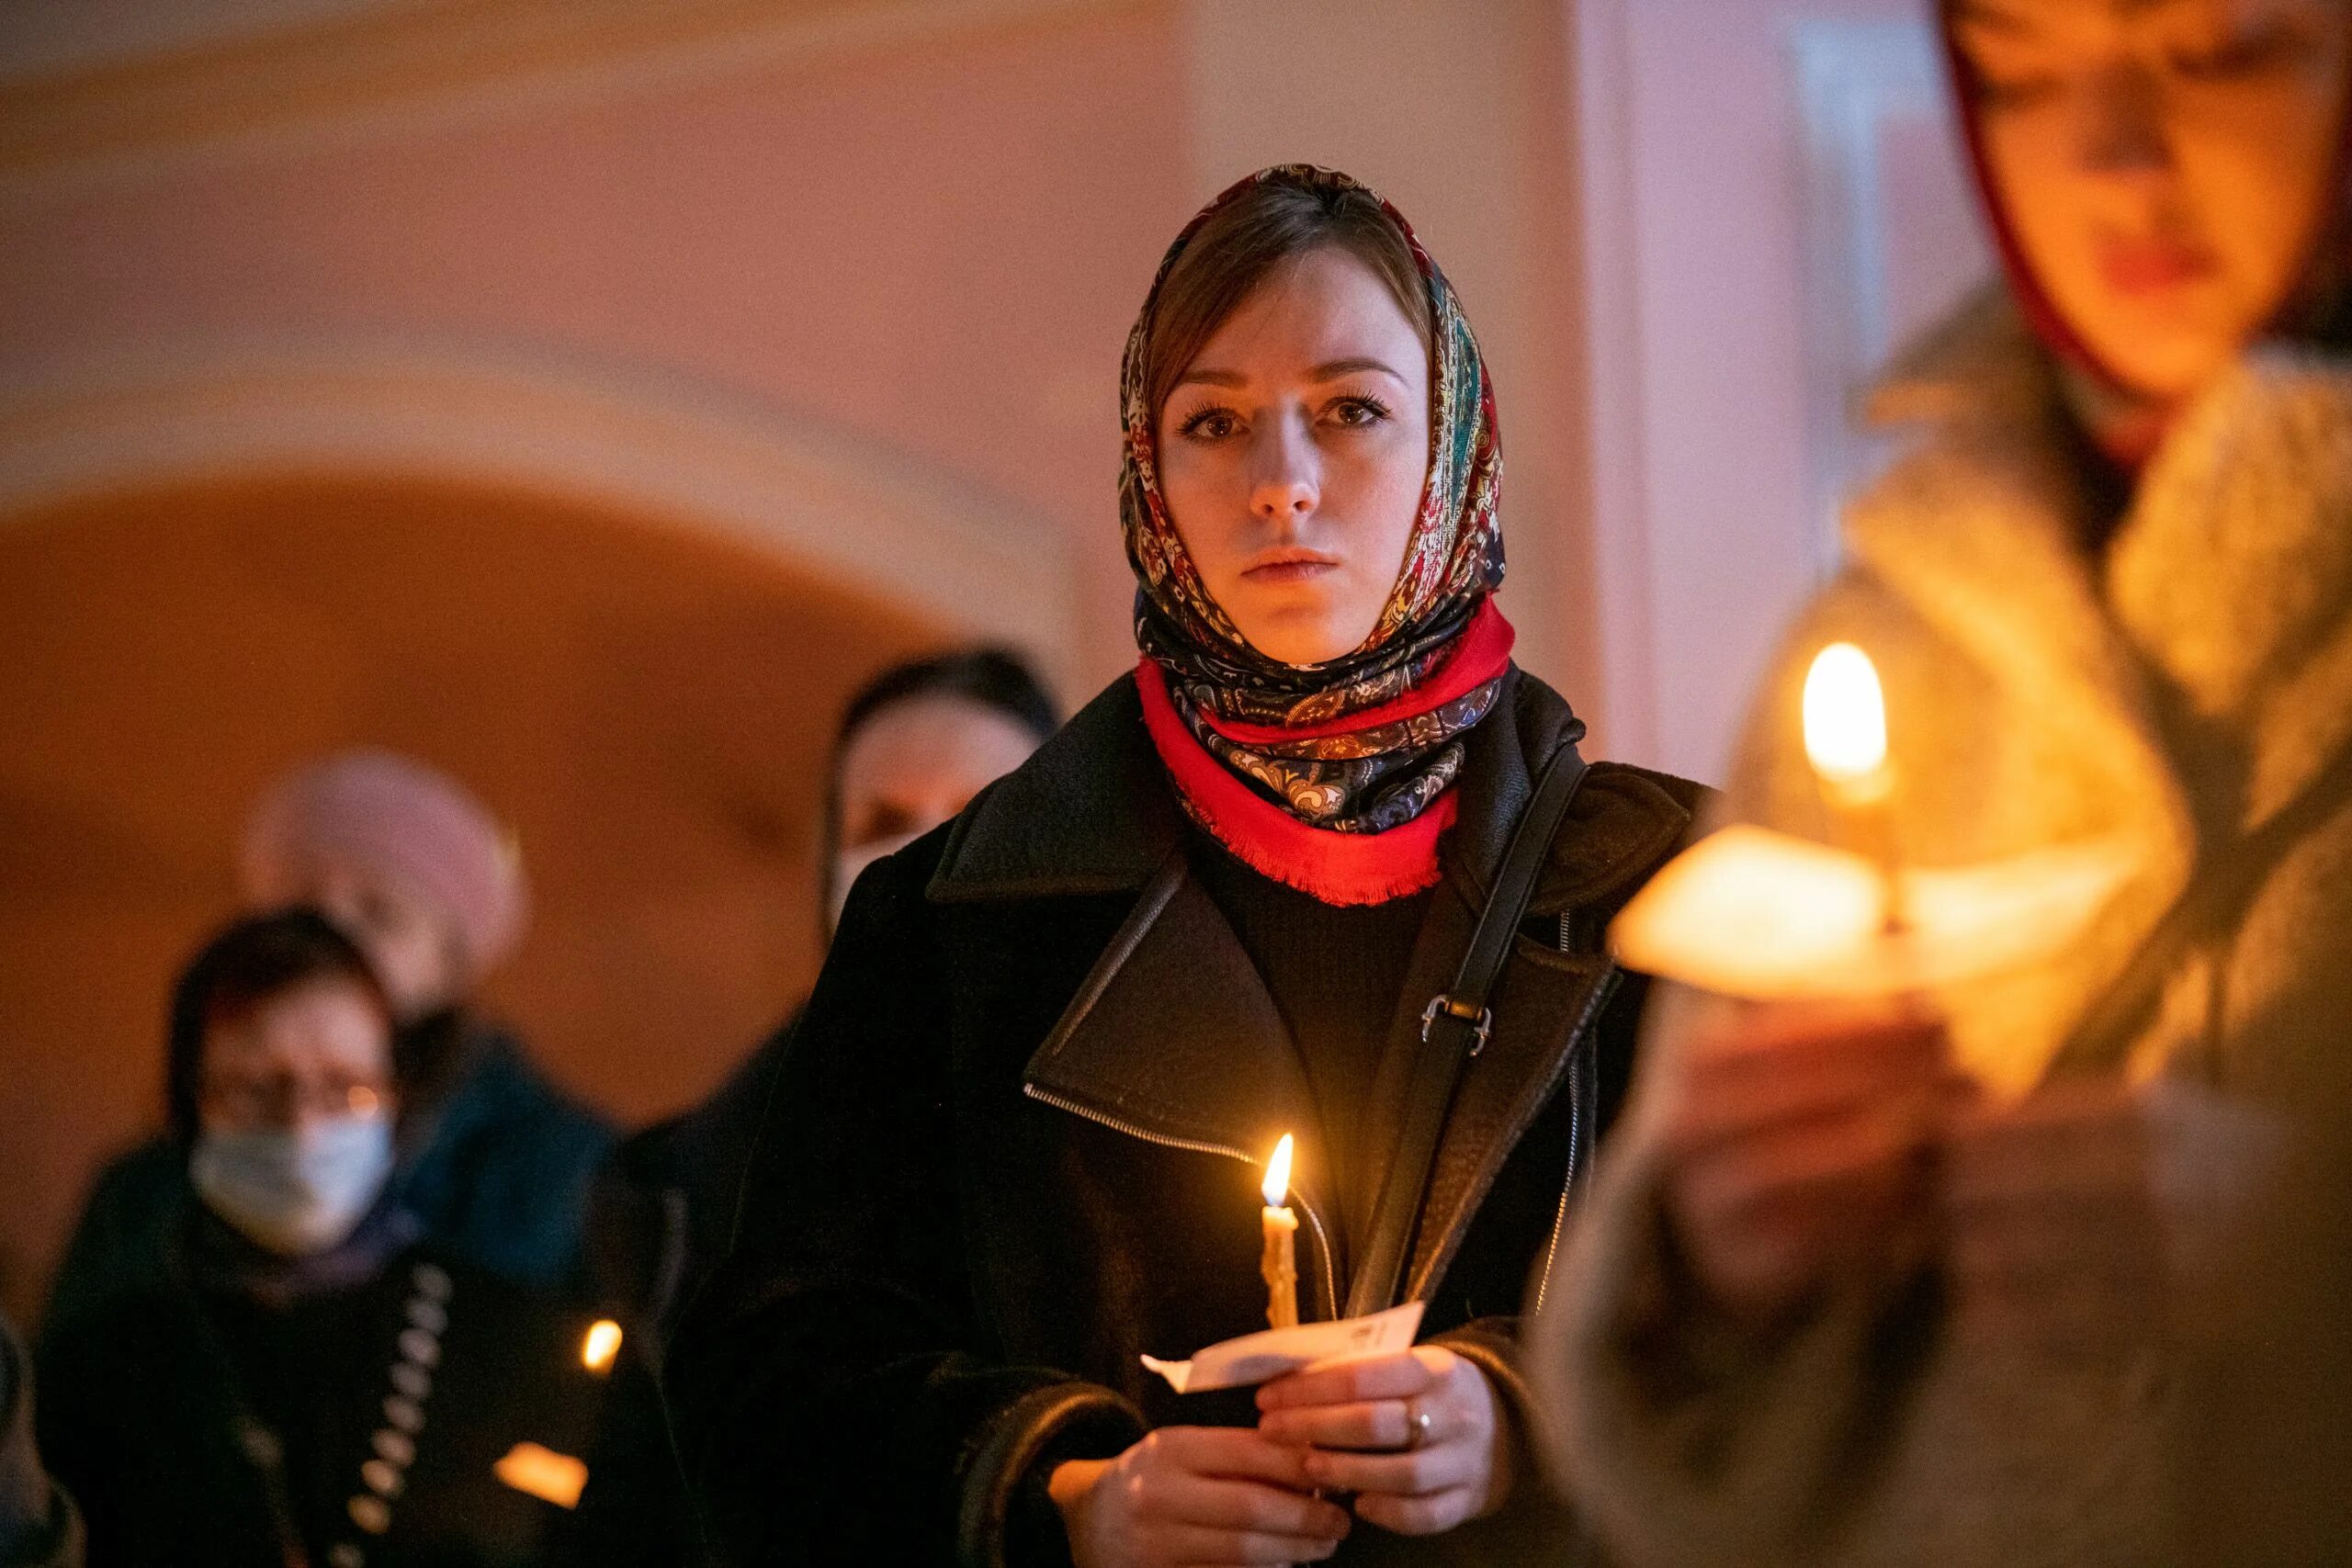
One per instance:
(2122,125)
(1284,485)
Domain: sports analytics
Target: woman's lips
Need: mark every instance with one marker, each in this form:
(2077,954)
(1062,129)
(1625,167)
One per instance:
(2143,267)
(1291,569)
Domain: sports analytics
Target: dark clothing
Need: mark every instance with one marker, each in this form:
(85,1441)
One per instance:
(201,1425)
(1314,957)
(38,1527)
(661,1215)
(1016,1140)
(496,1166)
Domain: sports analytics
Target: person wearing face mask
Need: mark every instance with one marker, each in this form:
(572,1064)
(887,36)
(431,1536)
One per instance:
(1016,1142)
(490,1156)
(915,745)
(310,1380)
(1926,1281)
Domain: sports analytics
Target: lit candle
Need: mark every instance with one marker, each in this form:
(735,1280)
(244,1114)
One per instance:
(1845,740)
(1280,1262)
(602,1344)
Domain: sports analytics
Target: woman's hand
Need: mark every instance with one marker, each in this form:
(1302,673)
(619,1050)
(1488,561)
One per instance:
(2053,1220)
(1195,1495)
(1794,1138)
(1415,1436)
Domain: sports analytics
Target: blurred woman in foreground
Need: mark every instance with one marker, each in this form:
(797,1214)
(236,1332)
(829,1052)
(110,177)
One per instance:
(1909,1284)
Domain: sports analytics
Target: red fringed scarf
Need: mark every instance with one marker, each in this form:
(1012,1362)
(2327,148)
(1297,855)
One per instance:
(1336,867)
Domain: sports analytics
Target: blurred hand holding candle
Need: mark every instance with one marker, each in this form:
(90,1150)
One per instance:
(1280,1262)
(1764,916)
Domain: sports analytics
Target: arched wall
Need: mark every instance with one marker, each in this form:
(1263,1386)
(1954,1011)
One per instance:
(658,447)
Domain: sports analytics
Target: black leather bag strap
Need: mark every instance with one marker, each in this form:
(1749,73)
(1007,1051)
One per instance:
(1455,1027)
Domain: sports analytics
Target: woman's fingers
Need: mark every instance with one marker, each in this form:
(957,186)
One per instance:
(1790,1164)
(1399,1376)
(1193,1547)
(1368,1424)
(1762,1220)
(1240,1453)
(1242,1505)
(1415,1473)
(1432,1515)
(1731,1084)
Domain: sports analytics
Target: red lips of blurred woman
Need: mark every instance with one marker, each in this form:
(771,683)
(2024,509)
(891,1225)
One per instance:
(1284,567)
(2153,269)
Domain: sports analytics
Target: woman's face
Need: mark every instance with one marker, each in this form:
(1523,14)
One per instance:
(911,765)
(411,943)
(2164,162)
(313,1054)
(1292,456)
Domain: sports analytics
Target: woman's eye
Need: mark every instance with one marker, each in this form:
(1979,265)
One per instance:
(2014,90)
(2248,55)
(1209,425)
(1359,411)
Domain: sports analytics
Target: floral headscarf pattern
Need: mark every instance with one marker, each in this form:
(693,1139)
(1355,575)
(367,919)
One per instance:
(1370,780)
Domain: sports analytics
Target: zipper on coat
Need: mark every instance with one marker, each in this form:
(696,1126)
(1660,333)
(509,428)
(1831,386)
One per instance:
(1577,1067)
(1322,1239)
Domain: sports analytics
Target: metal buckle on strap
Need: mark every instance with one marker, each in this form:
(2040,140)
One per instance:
(1483,1020)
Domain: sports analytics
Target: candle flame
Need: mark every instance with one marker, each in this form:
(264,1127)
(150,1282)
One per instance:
(1844,714)
(543,1473)
(1277,1182)
(604,1342)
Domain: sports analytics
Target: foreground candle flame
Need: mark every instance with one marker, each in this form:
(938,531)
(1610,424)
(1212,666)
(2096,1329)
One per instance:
(1845,716)
(543,1473)
(1278,1174)
(603,1343)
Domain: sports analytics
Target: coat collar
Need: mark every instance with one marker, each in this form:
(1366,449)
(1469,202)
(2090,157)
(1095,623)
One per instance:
(1092,812)
(1174,1037)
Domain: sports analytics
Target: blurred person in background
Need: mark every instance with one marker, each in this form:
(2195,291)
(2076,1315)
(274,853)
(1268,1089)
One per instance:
(491,1157)
(38,1527)
(312,1379)
(1833,1302)
(913,746)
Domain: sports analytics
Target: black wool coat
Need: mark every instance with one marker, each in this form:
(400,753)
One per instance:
(1014,1144)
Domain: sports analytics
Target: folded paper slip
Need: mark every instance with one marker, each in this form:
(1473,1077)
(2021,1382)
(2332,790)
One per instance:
(1264,1356)
(1751,913)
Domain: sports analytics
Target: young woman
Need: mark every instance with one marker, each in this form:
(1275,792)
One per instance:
(1017,1139)
(311,1382)
(493,1157)
(1822,1309)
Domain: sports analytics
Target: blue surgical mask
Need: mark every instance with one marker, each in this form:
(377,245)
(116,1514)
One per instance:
(295,1191)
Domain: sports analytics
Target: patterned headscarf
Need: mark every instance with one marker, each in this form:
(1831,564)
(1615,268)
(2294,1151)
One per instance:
(1280,726)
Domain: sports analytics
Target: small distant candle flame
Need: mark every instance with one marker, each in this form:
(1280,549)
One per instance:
(604,1342)
(1277,1183)
(1844,716)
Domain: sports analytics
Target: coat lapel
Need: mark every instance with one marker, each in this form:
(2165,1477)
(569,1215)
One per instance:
(1173,1038)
